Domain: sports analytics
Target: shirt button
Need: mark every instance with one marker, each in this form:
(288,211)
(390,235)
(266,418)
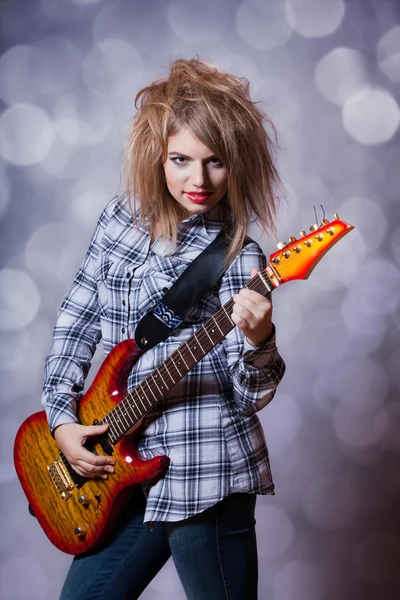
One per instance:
(128,275)
(123,302)
(123,330)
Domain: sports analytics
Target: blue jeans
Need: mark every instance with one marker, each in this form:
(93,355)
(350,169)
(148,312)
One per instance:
(214,552)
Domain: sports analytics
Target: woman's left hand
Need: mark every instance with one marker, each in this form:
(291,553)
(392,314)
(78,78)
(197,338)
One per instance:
(252,313)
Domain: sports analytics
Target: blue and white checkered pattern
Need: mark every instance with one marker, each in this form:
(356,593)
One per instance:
(207,424)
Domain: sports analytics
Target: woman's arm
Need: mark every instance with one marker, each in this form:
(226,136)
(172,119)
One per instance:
(255,365)
(76,335)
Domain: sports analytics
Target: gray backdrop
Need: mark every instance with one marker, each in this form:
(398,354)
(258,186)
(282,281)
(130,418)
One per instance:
(329,70)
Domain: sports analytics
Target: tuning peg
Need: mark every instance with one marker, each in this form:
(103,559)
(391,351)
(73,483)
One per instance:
(303,233)
(314,227)
(336,216)
(281,245)
(324,222)
(292,239)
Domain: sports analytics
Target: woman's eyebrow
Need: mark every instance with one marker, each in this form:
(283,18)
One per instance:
(187,156)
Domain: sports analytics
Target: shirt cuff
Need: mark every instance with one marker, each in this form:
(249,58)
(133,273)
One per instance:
(259,356)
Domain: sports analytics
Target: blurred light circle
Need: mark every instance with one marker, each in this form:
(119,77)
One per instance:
(263,24)
(26,134)
(239,65)
(87,206)
(82,119)
(199,22)
(391,440)
(274,525)
(340,73)
(298,580)
(18,67)
(371,116)
(109,63)
(388,50)
(13,349)
(325,342)
(374,290)
(377,557)
(60,64)
(56,162)
(282,100)
(359,430)
(315,18)
(51,251)
(22,578)
(19,299)
(325,508)
(395,244)
(363,381)
(369,220)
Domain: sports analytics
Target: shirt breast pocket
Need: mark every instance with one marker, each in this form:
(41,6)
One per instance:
(103,285)
(153,287)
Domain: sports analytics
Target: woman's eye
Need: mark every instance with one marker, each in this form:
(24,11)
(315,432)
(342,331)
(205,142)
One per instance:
(179,160)
(216,162)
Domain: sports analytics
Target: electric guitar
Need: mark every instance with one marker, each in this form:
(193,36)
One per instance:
(76,513)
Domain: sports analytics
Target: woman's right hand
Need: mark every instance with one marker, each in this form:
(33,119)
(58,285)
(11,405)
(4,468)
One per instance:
(71,438)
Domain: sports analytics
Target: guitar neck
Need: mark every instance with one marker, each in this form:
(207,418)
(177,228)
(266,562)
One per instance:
(154,387)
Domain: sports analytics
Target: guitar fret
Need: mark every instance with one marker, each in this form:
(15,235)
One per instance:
(155,382)
(176,367)
(216,322)
(180,354)
(190,350)
(111,426)
(134,406)
(166,368)
(148,385)
(142,390)
(159,371)
(195,337)
(116,423)
(228,315)
(211,340)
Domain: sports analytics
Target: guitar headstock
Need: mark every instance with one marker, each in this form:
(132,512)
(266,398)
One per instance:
(297,258)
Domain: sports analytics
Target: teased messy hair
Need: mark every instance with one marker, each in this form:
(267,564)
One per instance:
(216,107)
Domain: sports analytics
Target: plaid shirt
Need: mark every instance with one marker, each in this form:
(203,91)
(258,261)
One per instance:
(207,423)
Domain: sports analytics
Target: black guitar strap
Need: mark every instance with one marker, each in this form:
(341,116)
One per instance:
(174,307)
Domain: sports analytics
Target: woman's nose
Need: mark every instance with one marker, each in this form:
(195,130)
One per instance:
(198,174)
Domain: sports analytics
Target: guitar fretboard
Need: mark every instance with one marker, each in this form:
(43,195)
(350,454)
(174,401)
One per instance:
(154,387)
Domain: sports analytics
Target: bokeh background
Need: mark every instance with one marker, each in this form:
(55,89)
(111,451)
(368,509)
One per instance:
(328,72)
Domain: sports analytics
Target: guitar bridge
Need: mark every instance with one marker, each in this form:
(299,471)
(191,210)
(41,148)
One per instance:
(61,478)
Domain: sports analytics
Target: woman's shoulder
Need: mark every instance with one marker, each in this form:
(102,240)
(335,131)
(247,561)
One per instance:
(118,208)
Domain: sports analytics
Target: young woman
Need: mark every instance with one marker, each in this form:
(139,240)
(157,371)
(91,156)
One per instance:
(198,159)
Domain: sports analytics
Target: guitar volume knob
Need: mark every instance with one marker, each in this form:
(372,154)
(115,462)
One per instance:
(84,499)
(80,531)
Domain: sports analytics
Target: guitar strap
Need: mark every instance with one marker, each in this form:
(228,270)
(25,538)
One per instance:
(174,307)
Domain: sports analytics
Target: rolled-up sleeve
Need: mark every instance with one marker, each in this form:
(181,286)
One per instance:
(255,372)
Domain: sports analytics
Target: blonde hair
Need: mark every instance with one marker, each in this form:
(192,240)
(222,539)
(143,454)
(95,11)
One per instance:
(216,107)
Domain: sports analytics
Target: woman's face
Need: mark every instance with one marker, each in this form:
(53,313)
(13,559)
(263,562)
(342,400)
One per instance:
(194,175)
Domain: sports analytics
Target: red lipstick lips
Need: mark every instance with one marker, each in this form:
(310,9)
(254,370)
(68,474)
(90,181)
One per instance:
(198,197)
